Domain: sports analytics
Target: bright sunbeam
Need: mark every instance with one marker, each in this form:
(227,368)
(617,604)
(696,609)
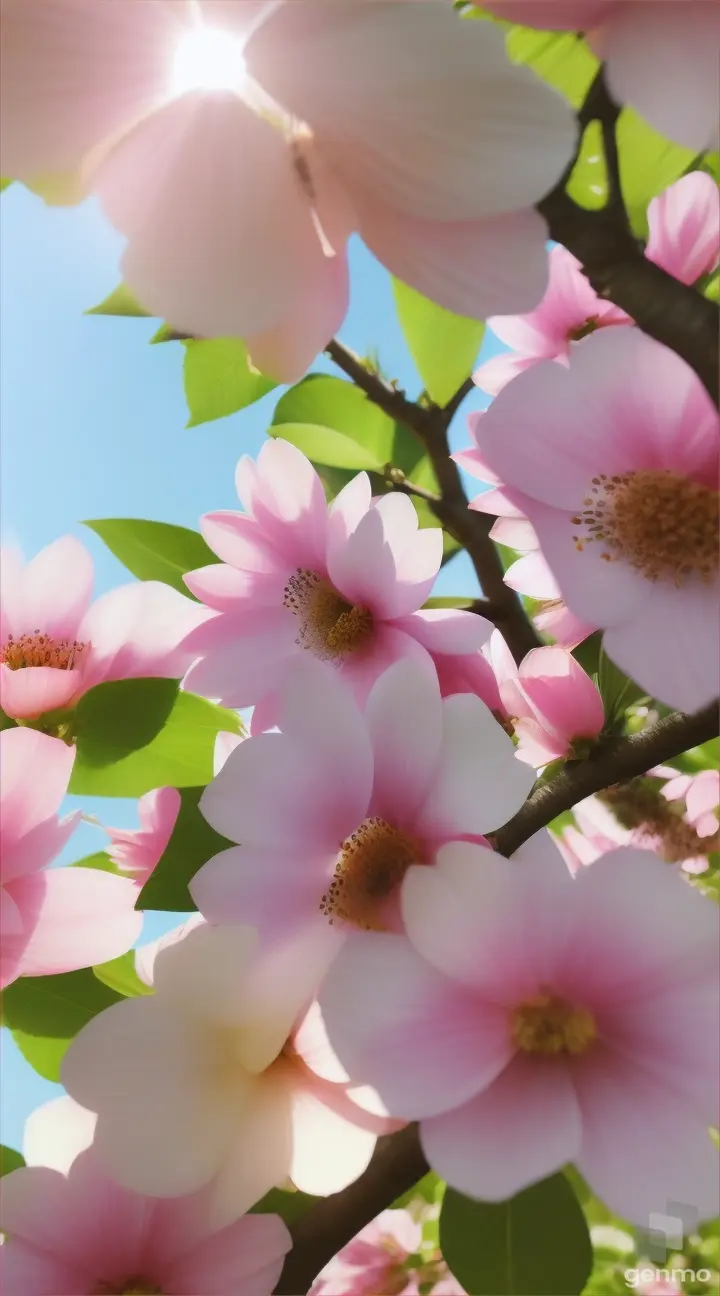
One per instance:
(208,59)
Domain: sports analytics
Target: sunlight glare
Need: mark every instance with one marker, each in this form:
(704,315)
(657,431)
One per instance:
(208,59)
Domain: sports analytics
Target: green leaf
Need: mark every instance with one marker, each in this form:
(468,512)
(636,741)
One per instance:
(181,755)
(219,379)
(45,1013)
(332,404)
(120,302)
(290,1206)
(617,691)
(426,1189)
(120,975)
(4,184)
(323,445)
(168,334)
(444,346)
(537,1242)
(192,843)
(154,550)
(100,860)
(649,163)
(6,722)
(117,718)
(450,601)
(10,1160)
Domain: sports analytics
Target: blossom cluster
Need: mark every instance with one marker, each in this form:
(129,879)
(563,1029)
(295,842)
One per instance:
(357,953)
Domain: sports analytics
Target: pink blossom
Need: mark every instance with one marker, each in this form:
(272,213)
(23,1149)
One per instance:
(569,310)
(374,1261)
(137,851)
(660,57)
(230,1051)
(74,1230)
(51,919)
(551,701)
(615,463)
(343,583)
(701,794)
(647,823)
(530,574)
(241,227)
(530,1019)
(365,795)
(55,644)
(684,239)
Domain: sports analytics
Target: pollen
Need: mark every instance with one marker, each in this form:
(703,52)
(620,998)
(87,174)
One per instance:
(329,626)
(548,1024)
(662,524)
(41,650)
(371,865)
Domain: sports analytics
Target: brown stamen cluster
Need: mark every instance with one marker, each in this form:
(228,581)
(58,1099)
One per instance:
(549,1024)
(372,864)
(639,805)
(663,524)
(41,650)
(329,626)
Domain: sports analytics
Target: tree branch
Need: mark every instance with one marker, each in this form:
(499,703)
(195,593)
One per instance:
(471,530)
(615,264)
(613,761)
(399,1161)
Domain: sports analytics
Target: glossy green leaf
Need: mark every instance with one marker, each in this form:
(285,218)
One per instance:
(443,346)
(154,550)
(450,601)
(617,691)
(115,719)
(193,842)
(6,721)
(290,1206)
(323,445)
(10,1160)
(100,860)
(168,334)
(219,379)
(537,1242)
(120,302)
(45,1013)
(181,754)
(323,401)
(562,59)
(120,975)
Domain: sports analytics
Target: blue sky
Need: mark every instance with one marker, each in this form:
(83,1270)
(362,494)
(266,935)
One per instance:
(92,425)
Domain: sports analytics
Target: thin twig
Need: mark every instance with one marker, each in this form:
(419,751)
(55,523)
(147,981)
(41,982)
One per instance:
(470,529)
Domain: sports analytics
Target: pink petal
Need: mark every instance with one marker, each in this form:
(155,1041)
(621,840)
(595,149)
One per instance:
(329,1151)
(238,540)
(531,575)
(409,132)
(479,783)
(242,656)
(471,673)
(344,515)
(73,74)
(643,1145)
(285,351)
(221,240)
(83,916)
(561,694)
(247,1255)
(663,61)
(522,1128)
(497,372)
(672,648)
(403,714)
(28,1270)
(516,533)
(361,670)
(423,1042)
(448,630)
(138,631)
(703,794)
(225,589)
(685,227)
(35,773)
(563,626)
(555,15)
(288,501)
(56,1133)
(29,692)
(57,588)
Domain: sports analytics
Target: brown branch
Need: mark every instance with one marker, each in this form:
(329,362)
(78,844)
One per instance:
(615,264)
(613,761)
(470,529)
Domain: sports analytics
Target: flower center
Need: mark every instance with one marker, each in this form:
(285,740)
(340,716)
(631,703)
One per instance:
(131,1287)
(329,626)
(548,1024)
(664,525)
(40,650)
(371,866)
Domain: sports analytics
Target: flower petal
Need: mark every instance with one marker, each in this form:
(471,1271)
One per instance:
(83,917)
(404,715)
(286,350)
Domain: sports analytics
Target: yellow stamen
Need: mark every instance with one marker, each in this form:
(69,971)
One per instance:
(330,627)
(41,650)
(371,866)
(663,524)
(548,1024)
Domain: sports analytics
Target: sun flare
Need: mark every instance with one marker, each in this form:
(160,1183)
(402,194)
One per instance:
(208,59)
